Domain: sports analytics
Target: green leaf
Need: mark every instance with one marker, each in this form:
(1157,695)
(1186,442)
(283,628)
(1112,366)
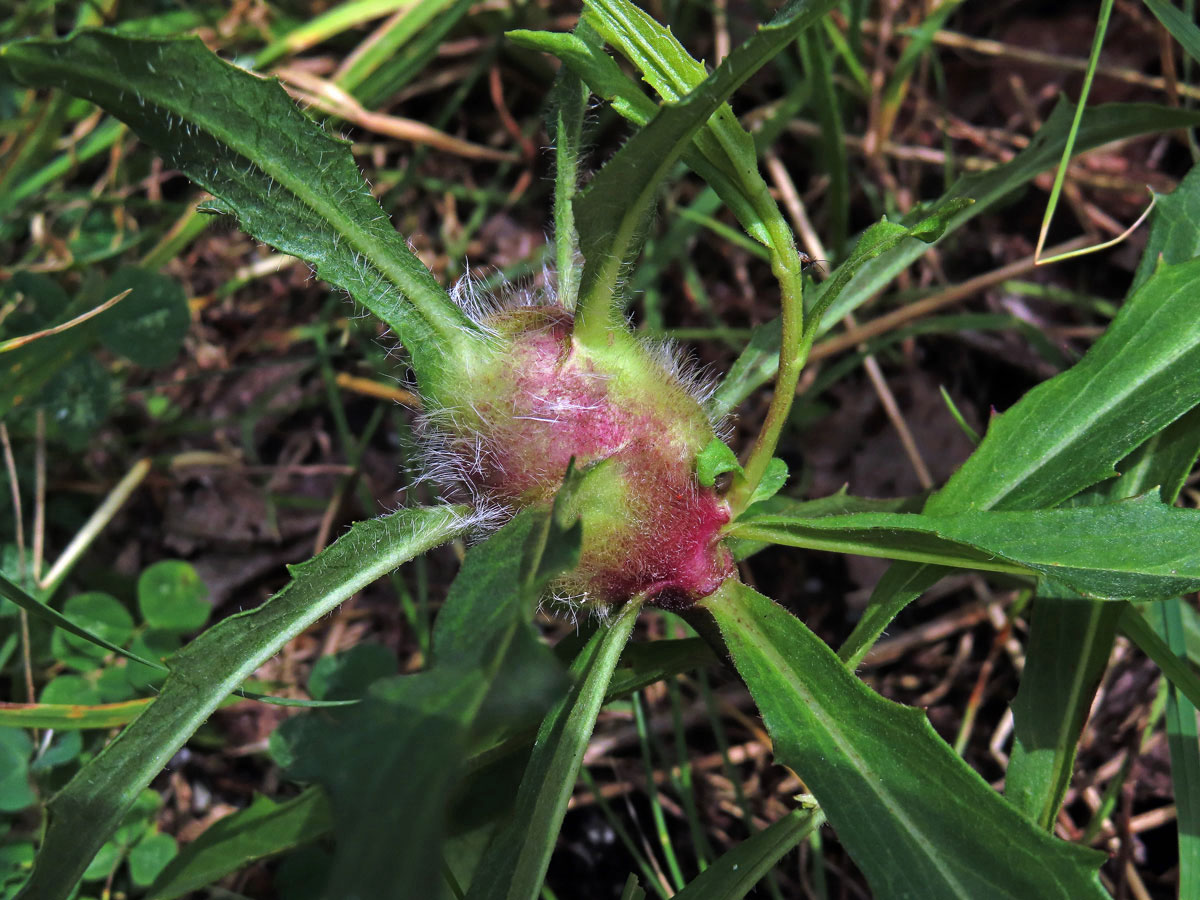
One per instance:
(871,763)
(1069,432)
(589,61)
(40,610)
(102,615)
(583,53)
(38,303)
(69,690)
(407,735)
(514,865)
(878,240)
(841,503)
(1184,746)
(106,860)
(610,213)
(1065,658)
(172,597)
(76,398)
(15,860)
(15,750)
(1182,28)
(86,811)
(387,766)
(265,828)
(155,645)
(290,184)
(347,675)
(632,890)
(1101,124)
(755,366)
(773,480)
(569,105)
(150,856)
(65,748)
(715,460)
(735,872)
(1175,232)
(149,325)
(556,540)
(1086,548)
(1071,640)
(875,241)
(673,73)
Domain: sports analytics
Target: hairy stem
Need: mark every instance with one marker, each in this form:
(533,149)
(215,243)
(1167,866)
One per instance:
(787,268)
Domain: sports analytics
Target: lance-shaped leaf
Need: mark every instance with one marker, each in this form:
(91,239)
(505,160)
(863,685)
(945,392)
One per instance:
(722,151)
(91,806)
(1065,657)
(409,735)
(610,214)
(919,822)
(603,77)
(1070,641)
(289,183)
(515,862)
(1087,548)
(1070,432)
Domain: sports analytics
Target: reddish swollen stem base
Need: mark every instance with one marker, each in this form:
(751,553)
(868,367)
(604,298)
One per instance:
(628,420)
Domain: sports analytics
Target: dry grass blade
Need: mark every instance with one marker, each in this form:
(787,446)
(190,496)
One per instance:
(25,339)
(329,98)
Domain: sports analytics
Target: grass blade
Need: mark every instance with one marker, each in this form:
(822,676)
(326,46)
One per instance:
(1184,745)
(1179,672)
(1183,29)
(40,610)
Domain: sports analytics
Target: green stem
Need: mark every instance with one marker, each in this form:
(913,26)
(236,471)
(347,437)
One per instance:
(787,268)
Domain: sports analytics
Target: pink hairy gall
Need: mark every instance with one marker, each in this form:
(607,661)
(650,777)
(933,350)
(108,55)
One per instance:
(634,427)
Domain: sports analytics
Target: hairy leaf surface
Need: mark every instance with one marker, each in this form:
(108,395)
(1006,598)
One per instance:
(289,183)
(91,806)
